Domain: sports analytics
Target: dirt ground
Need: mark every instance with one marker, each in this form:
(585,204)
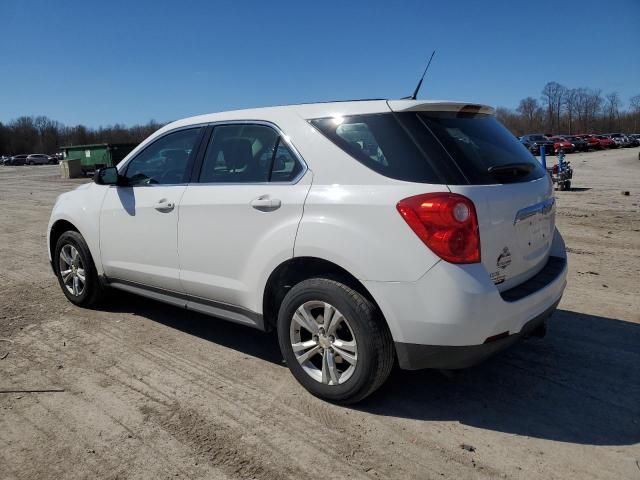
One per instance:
(151,391)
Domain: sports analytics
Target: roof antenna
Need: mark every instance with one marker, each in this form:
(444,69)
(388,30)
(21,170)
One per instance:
(415,92)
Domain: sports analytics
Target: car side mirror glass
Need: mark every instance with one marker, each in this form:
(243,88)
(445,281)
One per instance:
(106,176)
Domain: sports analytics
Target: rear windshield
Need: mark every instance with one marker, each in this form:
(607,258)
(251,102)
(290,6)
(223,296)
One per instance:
(433,147)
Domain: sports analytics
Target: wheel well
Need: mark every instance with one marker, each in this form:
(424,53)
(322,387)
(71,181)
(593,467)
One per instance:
(293,271)
(58,229)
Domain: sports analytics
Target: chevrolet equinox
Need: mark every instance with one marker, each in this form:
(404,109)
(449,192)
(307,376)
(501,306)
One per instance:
(365,233)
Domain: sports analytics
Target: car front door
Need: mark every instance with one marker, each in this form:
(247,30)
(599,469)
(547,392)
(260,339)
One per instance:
(239,220)
(139,220)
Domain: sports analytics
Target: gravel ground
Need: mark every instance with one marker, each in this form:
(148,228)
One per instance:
(150,391)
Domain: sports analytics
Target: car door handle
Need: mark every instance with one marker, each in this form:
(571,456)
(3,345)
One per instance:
(265,203)
(164,205)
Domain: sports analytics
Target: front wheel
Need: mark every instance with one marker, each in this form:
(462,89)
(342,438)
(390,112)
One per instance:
(76,271)
(334,340)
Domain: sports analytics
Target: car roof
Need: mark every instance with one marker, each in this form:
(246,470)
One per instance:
(330,109)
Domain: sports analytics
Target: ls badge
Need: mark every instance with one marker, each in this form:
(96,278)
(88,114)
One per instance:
(503,261)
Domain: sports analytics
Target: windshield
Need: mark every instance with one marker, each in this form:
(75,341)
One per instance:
(432,147)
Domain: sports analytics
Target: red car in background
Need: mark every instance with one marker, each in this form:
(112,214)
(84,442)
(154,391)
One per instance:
(562,143)
(593,142)
(606,142)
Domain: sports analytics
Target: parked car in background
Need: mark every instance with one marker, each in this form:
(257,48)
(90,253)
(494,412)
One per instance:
(455,258)
(606,141)
(635,139)
(593,142)
(39,159)
(579,144)
(17,160)
(562,143)
(3,159)
(534,141)
(620,139)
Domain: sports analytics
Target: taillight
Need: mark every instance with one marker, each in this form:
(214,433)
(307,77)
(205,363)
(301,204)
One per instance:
(446,223)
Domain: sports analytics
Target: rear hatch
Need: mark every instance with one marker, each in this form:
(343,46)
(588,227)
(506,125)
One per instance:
(511,191)
(516,224)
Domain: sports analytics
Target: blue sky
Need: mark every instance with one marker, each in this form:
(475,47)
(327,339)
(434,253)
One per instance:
(102,62)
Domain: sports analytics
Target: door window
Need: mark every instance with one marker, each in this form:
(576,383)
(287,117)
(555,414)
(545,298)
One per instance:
(247,153)
(166,161)
(285,165)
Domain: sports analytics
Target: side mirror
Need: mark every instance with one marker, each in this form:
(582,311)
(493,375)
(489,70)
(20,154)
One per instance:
(107,176)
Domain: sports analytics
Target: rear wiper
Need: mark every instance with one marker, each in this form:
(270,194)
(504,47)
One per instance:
(514,169)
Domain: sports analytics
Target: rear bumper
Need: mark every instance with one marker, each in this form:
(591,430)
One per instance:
(454,311)
(412,356)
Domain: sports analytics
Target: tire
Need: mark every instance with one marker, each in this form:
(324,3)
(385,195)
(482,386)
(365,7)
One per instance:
(360,325)
(90,292)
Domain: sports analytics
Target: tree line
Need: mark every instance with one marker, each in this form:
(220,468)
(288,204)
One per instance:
(42,135)
(558,110)
(563,110)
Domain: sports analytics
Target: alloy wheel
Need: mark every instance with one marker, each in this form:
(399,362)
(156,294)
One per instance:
(323,342)
(72,270)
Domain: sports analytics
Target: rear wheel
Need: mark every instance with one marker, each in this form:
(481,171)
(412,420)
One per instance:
(76,271)
(334,340)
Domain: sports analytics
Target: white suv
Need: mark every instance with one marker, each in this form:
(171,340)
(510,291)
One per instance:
(365,232)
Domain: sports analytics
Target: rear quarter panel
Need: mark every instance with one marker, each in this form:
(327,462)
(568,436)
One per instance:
(358,228)
(350,216)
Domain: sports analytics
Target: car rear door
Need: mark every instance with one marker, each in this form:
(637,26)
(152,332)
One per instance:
(239,220)
(139,221)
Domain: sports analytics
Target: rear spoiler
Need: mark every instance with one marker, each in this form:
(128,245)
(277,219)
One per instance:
(438,106)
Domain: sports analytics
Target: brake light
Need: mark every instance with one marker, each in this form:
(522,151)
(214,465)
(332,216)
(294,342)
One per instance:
(446,223)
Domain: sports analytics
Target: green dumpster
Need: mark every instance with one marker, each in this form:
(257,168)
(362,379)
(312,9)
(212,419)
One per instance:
(98,155)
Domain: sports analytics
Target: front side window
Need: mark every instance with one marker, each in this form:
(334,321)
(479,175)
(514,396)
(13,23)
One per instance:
(166,161)
(248,153)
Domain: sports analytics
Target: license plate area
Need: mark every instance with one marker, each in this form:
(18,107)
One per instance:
(534,227)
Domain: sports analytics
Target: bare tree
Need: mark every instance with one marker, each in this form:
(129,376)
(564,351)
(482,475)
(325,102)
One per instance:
(634,107)
(552,96)
(571,105)
(530,110)
(612,109)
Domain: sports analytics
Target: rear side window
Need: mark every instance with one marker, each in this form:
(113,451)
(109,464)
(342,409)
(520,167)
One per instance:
(248,153)
(379,142)
(285,166)
(433,147)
